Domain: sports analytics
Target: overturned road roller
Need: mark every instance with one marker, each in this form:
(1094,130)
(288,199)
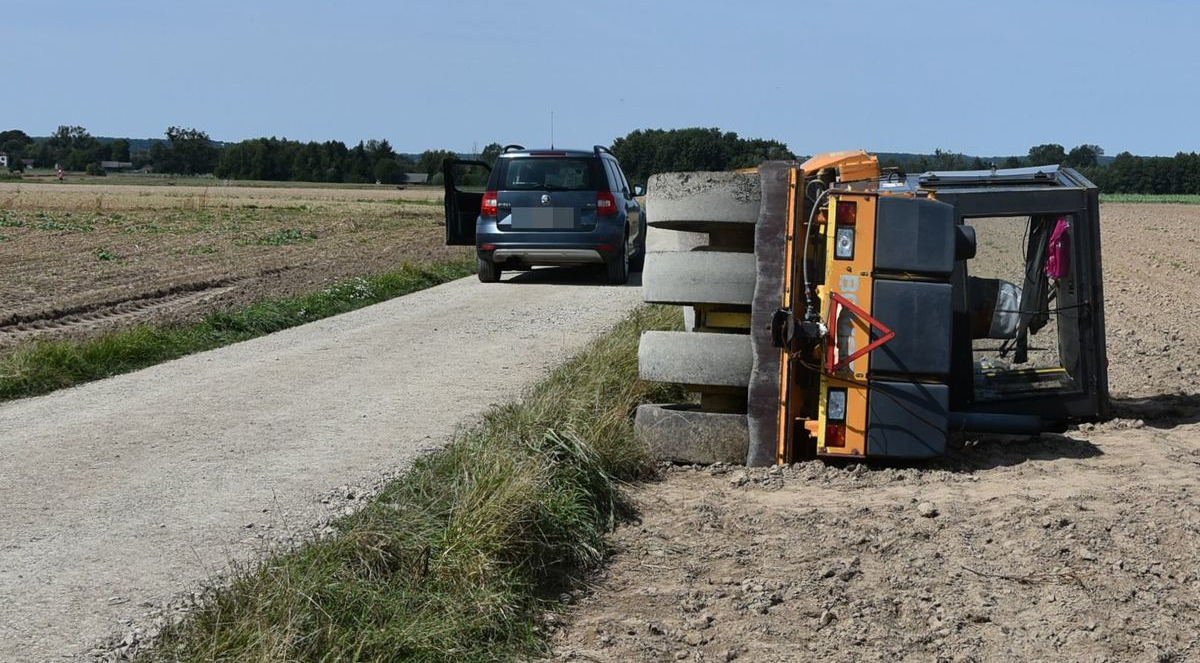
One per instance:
(835,310)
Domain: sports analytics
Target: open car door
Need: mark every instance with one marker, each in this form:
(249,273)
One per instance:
(465,183)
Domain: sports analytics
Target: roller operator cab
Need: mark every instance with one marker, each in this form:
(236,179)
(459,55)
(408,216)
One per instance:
(545,207)
(918,306)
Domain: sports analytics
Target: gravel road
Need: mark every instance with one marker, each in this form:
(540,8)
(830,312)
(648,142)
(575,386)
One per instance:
(122,493)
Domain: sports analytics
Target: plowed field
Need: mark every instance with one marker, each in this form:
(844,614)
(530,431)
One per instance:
(77,259)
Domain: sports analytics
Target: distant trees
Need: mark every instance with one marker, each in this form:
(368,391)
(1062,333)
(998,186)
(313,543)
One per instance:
(490,153)
(1050,154)
(331,161)
(119,150)
(71,147)
(187,151)
(430,161)
(17,145)
(642,152)
(1127,173)
(939,160)
(647,151)
(1084,156)
(387,171)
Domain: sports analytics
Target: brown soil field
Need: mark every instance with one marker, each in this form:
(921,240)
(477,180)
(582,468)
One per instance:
(1083,546)
(76,259)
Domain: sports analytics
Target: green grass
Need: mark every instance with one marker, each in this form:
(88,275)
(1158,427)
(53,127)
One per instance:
(284,237)
(47,222)
(458,559)
(105,255)
(1178,199)
(44,366)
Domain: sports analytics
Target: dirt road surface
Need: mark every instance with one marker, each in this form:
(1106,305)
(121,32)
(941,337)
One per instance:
(118,494)
(1076,547)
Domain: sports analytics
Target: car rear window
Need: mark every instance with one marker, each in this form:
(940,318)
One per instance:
(555,173)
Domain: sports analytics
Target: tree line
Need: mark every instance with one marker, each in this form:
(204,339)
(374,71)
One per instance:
(1126,173)
(330,161)
(647,151)
(184,151)
(71,147)
(1081,156)
(190,151)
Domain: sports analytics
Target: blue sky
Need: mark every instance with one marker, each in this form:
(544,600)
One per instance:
(986,78)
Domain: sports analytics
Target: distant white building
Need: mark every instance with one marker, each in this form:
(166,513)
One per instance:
(416,178)
(3,160)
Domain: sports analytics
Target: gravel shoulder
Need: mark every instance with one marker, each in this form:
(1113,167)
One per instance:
(120,494)
(1083,546)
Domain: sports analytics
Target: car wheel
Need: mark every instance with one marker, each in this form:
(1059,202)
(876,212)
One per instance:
(618,267)
(488,271)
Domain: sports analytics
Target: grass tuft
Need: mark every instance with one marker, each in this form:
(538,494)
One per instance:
(44,366)
(285,237)
(458,559)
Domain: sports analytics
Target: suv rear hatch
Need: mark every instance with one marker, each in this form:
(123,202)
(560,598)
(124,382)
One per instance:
(548,191)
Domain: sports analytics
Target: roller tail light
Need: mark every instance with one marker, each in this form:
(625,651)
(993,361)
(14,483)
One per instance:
(843,239)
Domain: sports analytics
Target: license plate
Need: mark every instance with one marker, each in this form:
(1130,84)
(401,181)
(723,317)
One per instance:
(543,218)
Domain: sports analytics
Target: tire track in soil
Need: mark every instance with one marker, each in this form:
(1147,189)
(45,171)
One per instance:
(124,311)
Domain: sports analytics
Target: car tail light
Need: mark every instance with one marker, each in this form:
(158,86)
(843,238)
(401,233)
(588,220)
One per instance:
(606,203)
(605,247)
(488,208)
(843,239)
(487,247)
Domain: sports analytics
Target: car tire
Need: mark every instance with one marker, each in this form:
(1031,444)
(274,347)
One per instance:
(487,271)
(618,267)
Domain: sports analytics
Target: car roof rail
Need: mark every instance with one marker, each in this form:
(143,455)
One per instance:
(600,148)
(510,148)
